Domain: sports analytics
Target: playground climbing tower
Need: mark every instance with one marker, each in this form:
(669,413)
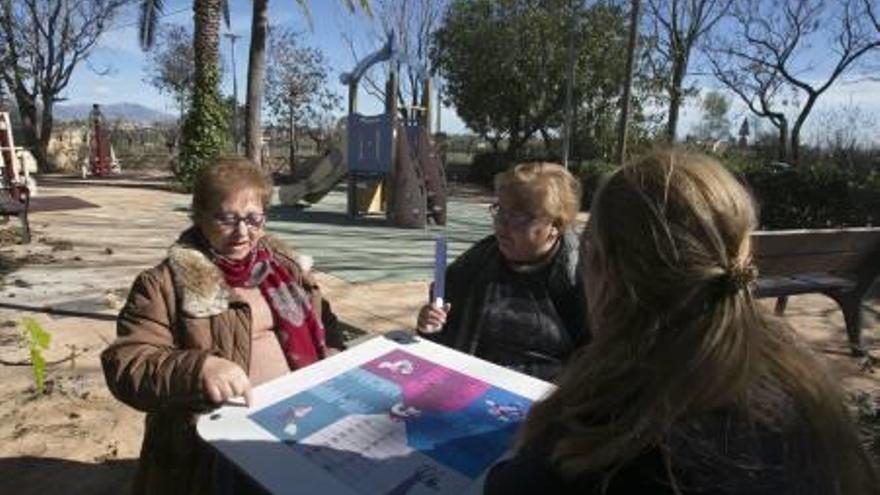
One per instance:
(392,165)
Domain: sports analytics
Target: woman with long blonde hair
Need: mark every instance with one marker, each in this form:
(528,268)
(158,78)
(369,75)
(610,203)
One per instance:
(688,386)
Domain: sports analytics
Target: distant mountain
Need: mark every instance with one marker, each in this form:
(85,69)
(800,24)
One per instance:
(131,112)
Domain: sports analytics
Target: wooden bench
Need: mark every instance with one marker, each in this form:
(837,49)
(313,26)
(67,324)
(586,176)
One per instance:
(839,263)
(14,202)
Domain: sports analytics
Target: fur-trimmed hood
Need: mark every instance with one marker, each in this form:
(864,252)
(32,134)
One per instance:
(200,283)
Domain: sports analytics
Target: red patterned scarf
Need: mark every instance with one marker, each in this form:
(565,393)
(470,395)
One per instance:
(298,329)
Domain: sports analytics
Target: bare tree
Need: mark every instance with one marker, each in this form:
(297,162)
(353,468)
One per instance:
(296,86)
(257,70)
(677,26)
(170,65)
(761,90)
(776,40)
(413,22)
(41,43)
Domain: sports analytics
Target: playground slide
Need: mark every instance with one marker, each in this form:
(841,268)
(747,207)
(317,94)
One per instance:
(326,173)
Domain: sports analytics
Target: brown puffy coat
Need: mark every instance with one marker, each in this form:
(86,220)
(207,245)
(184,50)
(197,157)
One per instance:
(177,314)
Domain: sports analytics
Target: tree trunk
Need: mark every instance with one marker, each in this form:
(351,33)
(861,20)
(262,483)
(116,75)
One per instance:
(545,136)
(206,41)
(782,125)
(204,132)
(46,121)
(256,74)
(27,110)
(798,125)
(679,65)
(632,42)
(514,144)
(291,146)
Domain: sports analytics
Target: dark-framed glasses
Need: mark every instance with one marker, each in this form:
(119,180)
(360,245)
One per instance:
(252,221)
(515,219)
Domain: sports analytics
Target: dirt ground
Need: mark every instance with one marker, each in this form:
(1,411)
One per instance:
(75,437)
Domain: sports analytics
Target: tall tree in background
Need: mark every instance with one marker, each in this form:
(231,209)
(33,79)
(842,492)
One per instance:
(170,66)
(204,129)
(297,94)
(413,23)
(714,123)
(762,90)
(504,66)
(677,26)
(41,43)
(257,71)
(631,45)
(777,39)
(600,84)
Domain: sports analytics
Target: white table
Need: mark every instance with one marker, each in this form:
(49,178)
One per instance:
(394,415)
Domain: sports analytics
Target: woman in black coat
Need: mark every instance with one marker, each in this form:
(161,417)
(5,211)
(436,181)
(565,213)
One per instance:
(516,297)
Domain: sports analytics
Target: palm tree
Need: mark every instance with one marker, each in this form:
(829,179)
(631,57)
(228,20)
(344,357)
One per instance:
(257,70)
(203,135)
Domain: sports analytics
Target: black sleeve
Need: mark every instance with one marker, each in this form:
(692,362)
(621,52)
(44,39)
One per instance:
(332,333)
(577,318)
(522,475)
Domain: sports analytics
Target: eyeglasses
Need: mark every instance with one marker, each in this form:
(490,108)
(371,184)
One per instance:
(252,221)
(510,219)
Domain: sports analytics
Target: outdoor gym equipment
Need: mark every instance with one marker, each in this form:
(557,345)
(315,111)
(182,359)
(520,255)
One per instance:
(102,160)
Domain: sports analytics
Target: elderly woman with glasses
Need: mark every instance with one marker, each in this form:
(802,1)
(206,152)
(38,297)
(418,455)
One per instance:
(515,298)
(229,308)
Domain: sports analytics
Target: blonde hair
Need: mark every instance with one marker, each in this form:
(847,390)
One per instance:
(546,189)
(677,331)
(227,176)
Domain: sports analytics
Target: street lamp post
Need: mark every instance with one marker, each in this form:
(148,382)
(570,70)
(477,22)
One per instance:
(232,38)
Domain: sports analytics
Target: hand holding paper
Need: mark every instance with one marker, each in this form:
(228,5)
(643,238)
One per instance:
(432,317)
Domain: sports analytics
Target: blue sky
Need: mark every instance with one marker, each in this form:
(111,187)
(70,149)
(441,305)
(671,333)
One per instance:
(119,52)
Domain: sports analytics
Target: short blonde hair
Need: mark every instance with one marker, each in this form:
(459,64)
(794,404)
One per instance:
(543,188)
(227,176)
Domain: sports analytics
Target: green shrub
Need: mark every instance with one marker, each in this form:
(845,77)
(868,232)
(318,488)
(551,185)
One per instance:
(485,165)
(591,174)
(788,197)
(812,196)
(204,132)
(37,340)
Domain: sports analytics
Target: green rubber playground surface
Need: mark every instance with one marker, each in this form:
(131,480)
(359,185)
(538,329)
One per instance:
(369,249)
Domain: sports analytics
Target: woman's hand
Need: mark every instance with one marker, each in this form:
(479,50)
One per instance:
(431,319)
(222,380)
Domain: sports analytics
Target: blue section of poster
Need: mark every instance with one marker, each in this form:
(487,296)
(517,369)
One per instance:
(471,439)
(399,421)
(355,392)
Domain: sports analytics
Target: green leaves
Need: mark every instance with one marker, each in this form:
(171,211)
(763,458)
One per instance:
(38,340)
(204,131)
(505,65)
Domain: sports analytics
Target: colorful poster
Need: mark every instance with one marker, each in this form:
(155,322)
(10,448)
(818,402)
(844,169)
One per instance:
(398,424)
